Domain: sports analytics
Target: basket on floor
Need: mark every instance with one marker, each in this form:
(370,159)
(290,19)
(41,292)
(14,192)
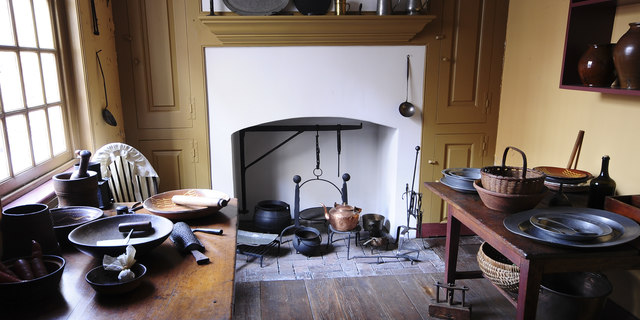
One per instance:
(512,180)
(497,268)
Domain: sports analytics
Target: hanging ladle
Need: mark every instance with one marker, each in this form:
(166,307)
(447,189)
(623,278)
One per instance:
(107,116)
(407,108)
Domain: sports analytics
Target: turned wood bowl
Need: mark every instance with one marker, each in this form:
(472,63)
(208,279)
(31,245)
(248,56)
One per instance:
(511,203)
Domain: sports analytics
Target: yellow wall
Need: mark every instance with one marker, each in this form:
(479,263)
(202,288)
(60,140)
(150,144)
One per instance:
(543,120)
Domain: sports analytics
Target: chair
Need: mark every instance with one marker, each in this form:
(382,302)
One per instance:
(131,176)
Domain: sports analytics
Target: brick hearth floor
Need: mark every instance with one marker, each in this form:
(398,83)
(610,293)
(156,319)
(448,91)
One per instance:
(332,262)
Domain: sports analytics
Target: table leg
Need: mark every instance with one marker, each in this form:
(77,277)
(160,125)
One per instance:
(451,248)
(530,278)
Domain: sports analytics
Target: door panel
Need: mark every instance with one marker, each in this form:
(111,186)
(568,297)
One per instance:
(465,62)
(173,160)
(453,151)
(160,63)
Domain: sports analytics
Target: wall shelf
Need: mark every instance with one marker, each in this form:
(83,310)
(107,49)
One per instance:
(296,29)
(589,22)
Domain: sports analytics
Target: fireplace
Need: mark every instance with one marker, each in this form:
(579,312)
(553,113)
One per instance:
(316,85)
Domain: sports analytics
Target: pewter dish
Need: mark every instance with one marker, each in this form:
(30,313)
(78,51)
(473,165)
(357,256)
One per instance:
(254,238)
(457,185)
(623,228)
(571,226)
(85,237)
(467,174)
(256,7)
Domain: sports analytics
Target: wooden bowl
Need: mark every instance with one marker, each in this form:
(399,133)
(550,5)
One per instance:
(106,282)
(508,202)
(28,291)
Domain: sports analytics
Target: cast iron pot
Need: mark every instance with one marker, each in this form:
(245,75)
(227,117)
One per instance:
(272,216)
(307,241)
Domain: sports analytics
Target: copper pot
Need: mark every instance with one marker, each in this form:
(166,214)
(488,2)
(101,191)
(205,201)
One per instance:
(342,217)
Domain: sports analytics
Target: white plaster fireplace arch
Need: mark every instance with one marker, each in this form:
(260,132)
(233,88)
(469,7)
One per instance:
(249,86)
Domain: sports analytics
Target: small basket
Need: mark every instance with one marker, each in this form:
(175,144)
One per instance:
(497,268)
(512,180)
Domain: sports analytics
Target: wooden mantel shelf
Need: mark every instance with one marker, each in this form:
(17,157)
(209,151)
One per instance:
(282,30)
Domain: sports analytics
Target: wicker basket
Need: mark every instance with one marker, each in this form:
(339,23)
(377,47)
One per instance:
(512,180)
(497,268)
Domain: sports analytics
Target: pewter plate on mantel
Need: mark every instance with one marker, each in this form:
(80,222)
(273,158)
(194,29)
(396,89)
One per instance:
(256,7)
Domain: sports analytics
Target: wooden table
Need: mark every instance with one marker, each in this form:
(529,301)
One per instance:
(533,258)
(175,287)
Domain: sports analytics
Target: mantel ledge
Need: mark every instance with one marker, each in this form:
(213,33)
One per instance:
(365,29)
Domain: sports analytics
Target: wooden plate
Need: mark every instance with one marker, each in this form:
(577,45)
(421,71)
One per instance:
(161,204)
(563,173)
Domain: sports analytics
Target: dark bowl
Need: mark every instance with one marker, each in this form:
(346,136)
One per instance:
(510,203)
(85,237)
(66,219)
(36,289)
(106,282)
(312,7)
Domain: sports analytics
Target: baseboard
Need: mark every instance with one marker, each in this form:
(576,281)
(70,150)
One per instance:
(440,230)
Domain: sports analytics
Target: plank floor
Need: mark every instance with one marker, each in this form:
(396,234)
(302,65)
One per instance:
(403,294)
(373,297)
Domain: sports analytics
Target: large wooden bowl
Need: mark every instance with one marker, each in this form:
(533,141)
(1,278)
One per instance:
(162,205)
(508,202)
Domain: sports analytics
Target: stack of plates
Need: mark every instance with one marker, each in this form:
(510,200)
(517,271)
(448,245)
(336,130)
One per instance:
(460,179)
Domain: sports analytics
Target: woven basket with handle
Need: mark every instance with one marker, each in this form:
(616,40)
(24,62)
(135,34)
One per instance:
(512,180)
(497,268)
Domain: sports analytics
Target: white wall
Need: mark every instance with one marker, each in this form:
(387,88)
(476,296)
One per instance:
(252,86)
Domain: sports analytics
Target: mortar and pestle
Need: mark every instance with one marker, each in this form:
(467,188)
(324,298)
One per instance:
(77,188)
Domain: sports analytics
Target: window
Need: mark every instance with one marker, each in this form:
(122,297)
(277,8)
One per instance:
(33,113)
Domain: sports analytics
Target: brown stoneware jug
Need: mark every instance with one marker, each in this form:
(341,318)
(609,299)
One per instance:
(596,67)
(626,56)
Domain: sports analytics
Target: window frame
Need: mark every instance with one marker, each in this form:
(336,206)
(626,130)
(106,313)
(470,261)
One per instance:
(24,182)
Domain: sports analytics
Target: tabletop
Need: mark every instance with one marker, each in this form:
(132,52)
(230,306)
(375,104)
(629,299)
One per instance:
(175,286)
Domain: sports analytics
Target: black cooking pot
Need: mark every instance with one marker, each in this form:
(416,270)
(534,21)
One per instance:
(307,241)
(271,216)
(312,7)
(373,223)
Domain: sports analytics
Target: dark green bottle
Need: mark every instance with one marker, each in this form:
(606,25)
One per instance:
(601,186)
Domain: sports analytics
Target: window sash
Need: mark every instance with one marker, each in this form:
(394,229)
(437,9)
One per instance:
(35,107)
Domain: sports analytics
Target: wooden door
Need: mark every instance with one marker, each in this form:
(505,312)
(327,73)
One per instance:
(462,97)
(162,78)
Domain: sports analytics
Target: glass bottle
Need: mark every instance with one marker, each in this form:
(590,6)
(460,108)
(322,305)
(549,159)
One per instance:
(601,186)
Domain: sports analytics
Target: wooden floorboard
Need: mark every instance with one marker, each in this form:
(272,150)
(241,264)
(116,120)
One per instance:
(247,302)
(284,299)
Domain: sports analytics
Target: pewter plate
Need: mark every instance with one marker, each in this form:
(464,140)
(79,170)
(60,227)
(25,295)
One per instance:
(571,226)
(254,238)
(468,174)
(623,228)
(256,7)
(457,186)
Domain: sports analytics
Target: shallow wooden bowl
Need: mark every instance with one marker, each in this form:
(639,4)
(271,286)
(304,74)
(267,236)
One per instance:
(508,202)
(28,291)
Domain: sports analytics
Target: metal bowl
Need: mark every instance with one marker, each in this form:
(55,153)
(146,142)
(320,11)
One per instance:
(36,289)
(85,237)
(106,282)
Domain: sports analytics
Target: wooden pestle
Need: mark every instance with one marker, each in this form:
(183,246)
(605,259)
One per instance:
(81,172)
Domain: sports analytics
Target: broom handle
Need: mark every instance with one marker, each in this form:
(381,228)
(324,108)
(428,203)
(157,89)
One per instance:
(575,153)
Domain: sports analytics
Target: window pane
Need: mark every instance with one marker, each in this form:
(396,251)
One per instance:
(6,30)
(39,136)
(31,76)
(56,126)
(50,74)
(43,24)
(10,85)
(4,159)
(19,143)
(24,25)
